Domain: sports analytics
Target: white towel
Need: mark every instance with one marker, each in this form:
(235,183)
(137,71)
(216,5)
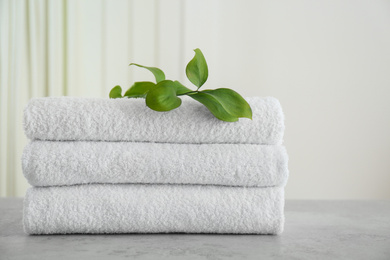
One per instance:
(153,209)
(66,118)
(50,163)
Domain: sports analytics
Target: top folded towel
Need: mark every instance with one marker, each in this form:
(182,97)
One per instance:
(93,119)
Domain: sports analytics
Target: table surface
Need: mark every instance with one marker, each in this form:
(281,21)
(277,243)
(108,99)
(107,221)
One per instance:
(313,230)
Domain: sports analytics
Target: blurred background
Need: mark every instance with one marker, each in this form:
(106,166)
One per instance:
(328,62)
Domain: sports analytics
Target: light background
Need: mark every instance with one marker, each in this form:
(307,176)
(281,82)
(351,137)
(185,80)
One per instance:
(328,62)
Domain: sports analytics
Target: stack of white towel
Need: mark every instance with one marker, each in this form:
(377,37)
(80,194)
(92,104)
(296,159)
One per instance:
(115,166)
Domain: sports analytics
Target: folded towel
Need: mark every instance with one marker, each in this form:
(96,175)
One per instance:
(50,163)
(153,209)
(66,118)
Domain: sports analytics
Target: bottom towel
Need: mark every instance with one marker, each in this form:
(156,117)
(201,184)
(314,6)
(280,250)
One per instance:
(137,208)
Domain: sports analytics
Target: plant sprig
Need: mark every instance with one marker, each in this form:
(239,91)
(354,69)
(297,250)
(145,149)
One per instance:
(225,104)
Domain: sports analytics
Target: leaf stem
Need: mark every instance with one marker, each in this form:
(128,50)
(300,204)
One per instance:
(187,93)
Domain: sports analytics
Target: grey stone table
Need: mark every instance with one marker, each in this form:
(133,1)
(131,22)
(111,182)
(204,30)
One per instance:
(313,230)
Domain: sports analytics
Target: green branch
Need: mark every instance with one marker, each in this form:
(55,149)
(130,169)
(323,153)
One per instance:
(225,104)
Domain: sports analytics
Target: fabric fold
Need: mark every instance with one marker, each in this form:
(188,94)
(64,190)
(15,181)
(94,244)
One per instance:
(54,163)
(93,119)
(153,209)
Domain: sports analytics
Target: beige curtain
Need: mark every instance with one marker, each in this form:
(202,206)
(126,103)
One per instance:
(54,48)
(77,48)
(31,65)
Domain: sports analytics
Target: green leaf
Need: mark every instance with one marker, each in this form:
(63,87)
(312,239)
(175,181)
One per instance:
(232,102)
(163,97)
(116,92)
(196,70)
(180,88)
(158,74)
(139,89)
(214,106)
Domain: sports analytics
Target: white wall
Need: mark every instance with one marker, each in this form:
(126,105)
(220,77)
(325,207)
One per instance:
(328,62)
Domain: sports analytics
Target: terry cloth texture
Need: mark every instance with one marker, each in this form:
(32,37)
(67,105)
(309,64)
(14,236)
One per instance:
(51,163)
(132,208)
(92,119)
(116,166)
